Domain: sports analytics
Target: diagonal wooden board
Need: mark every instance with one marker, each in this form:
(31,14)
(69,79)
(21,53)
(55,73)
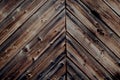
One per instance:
(59,40)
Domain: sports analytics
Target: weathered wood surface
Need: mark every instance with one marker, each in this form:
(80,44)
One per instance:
(59,40)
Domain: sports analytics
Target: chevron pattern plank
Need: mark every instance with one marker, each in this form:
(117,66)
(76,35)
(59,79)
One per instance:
(34,34)
(59,40)
(88,46)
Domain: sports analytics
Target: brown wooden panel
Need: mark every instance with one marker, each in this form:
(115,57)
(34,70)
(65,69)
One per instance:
(92,41)
(59,40)
(29,42)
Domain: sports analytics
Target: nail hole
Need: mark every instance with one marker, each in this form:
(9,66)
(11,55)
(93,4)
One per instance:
(39,38)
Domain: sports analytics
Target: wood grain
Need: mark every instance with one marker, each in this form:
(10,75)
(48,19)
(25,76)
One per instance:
(59,40)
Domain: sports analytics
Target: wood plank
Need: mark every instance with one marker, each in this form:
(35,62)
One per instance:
(89,21)
(37,48)
(106,14)
(114,4)
(10,29)
(94,50)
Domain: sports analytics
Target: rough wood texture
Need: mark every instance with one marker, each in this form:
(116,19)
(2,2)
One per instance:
(59,40)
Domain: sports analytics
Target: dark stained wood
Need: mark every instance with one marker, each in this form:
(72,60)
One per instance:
(89,28)
(31,40)
(59,40)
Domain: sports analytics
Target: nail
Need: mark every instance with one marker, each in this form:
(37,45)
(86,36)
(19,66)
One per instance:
(18,10)
(13,18)
(110,34)
(25,11)
(29,75)
(102,51)
(39,38)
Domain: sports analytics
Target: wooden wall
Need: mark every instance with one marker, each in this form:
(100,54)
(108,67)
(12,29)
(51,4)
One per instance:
(59,40)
